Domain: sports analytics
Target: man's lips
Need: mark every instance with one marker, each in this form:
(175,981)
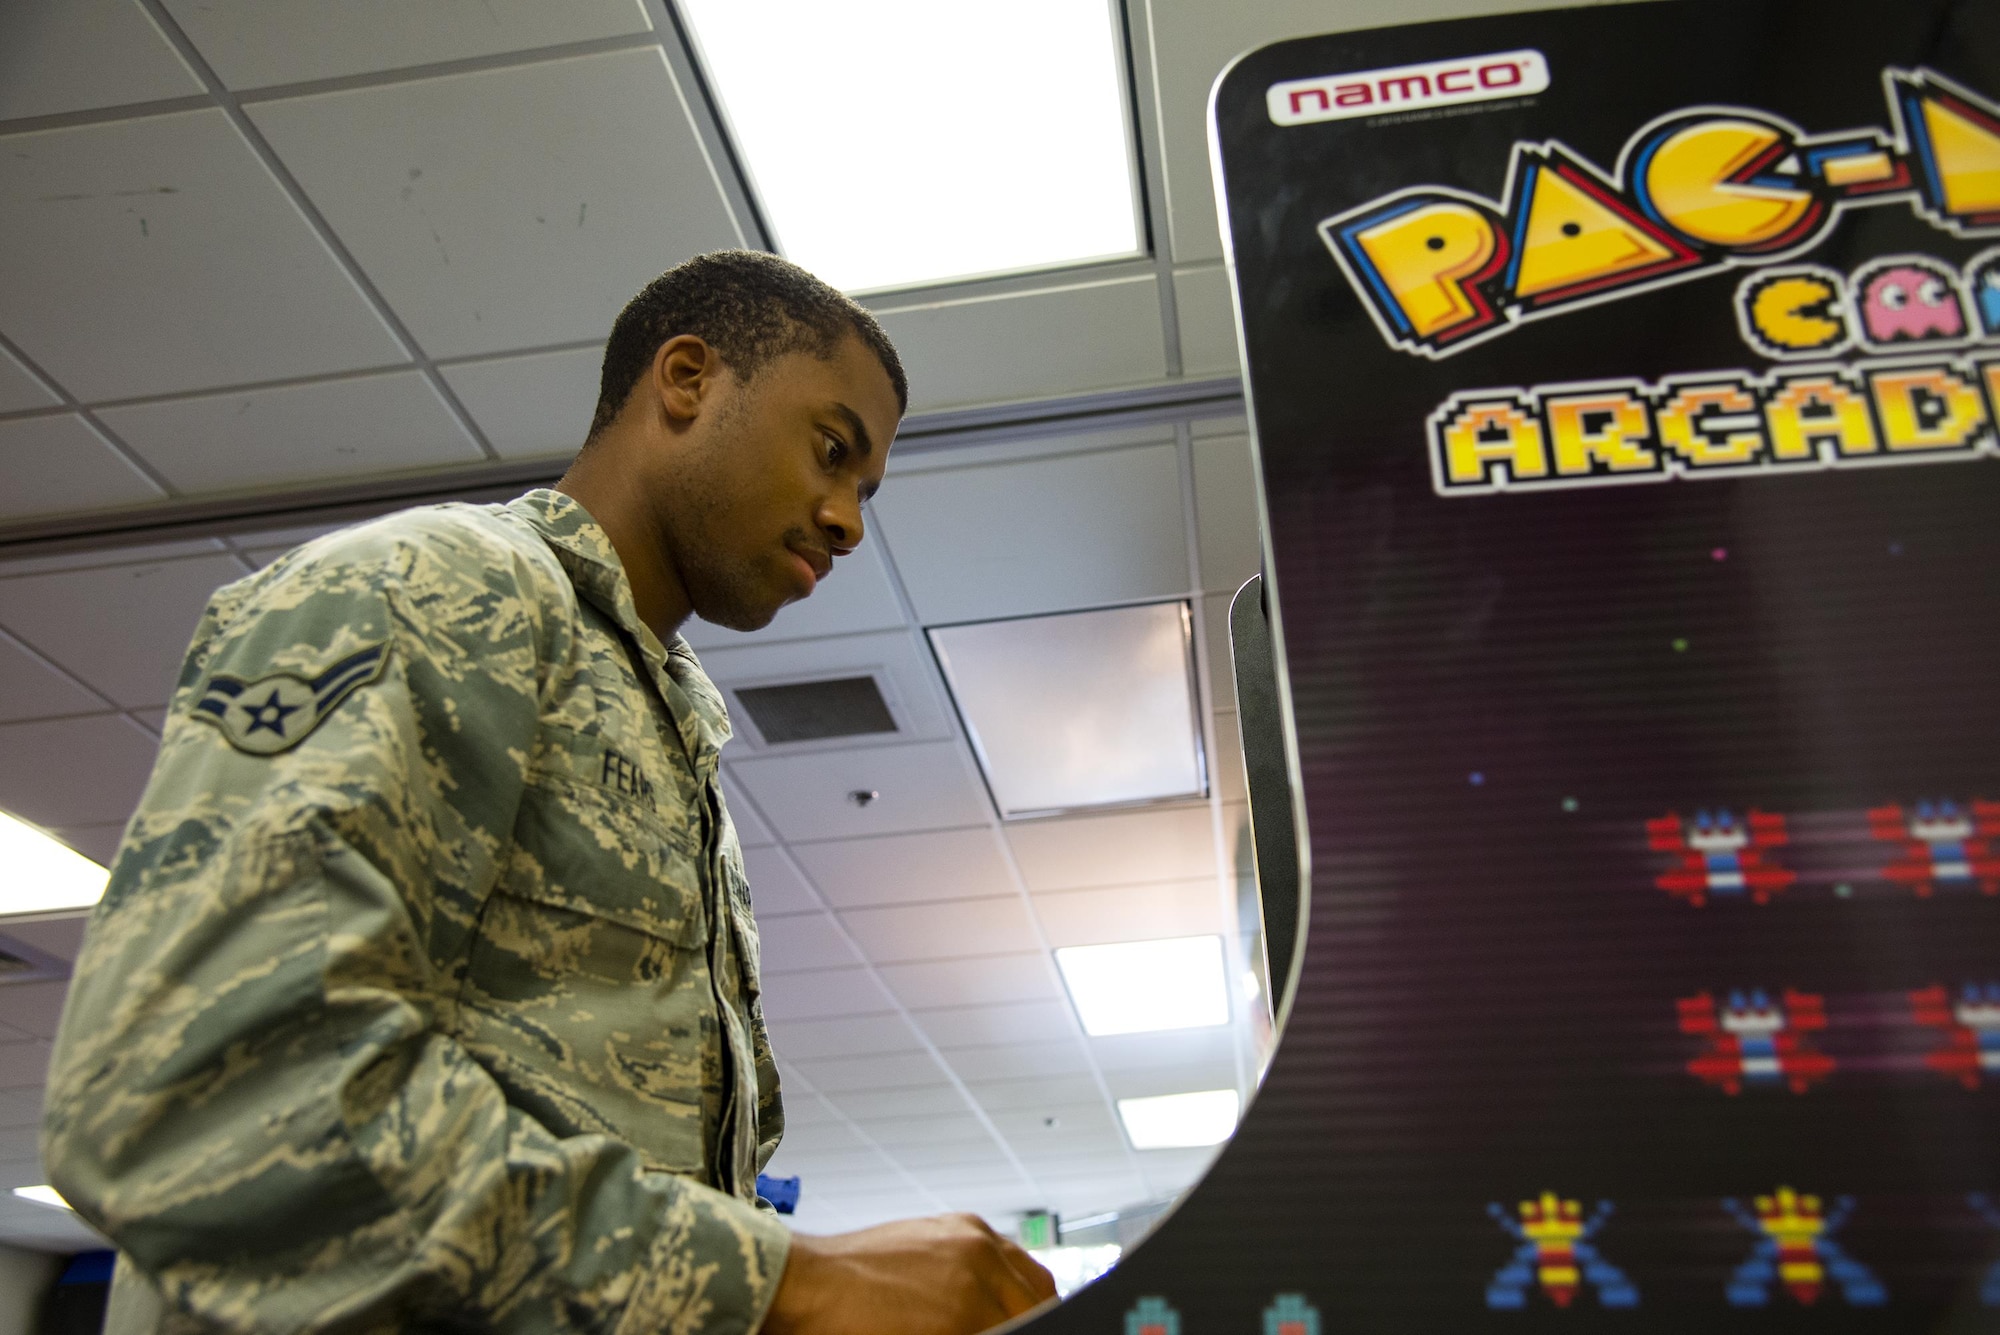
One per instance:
(816,566)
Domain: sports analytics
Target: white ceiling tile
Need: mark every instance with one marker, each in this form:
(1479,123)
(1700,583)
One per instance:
(1226,765)
(21,1107)
(298,433)
(170,260)
(924,786)
(1131,913)
(492,209)
(1225,506)
(20,390)
(1076,1124)
(852,1036)
(61,937)
(950,930)
(1081,1196)
(908,682)
(31,689)
(1193,40)
(82,771)
(75,55)
(856,597)
(122,629)
(911,460)
(1208,322)
(33,1008)
(922,1160)
(1225,424)
(820,993)
(751,831)
(108,556)
(1221,659)
(896,1134)
(287,538)
(1046,535)
(1040,1094)
(962,1177)
(1194,1049)
(1145,1082)
(819,1137)
(857,1164)
(982,981)
(846,1075)
(256,43)
(99,843)
(909,868)
(803,941)
(1128,849)
(155,720)
(59,463)
(1009,1022)
(776,888)
(24,1063)
(24,1173)
(804,1109)
(1019,1061)
(993,349)
(531,407)
(933,1100)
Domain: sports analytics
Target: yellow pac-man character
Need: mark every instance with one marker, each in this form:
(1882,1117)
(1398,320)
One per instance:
(1797,312)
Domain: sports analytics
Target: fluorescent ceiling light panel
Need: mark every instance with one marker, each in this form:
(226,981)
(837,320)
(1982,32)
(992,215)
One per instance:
(1080,710)
(896,142)
(42,1195)
(1141,987)
(38,874)
(1180,1121)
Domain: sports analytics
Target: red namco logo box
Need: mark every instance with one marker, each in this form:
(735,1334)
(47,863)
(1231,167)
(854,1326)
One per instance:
(1439,83)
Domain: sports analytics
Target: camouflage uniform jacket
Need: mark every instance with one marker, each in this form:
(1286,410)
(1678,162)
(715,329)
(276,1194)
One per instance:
(424,992)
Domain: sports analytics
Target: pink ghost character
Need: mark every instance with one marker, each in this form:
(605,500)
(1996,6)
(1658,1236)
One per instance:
(1911,304)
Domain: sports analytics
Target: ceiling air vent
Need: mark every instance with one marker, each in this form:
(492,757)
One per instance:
(813,711)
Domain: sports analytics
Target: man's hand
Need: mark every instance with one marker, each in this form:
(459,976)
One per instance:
(948,1275)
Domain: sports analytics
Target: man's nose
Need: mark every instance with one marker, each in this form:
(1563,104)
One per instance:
(840,520)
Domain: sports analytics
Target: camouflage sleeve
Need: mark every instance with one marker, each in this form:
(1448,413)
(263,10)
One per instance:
(253,1092)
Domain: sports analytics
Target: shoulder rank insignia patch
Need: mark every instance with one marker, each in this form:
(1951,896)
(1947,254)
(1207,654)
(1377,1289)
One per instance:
(276,713)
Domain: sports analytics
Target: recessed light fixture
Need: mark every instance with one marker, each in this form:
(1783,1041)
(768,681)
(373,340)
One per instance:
(1139,987)
(42,1195)
(1180,1121)
(1080,709)
(39,874)
(896,142)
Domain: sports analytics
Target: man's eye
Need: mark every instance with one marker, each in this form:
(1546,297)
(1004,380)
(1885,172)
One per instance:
(836,449)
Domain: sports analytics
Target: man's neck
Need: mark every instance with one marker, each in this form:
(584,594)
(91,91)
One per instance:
(620,509)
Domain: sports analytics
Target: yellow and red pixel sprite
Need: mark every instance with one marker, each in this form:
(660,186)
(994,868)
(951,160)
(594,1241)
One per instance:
(1440,269)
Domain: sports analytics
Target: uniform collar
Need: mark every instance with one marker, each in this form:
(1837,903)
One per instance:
(585,551)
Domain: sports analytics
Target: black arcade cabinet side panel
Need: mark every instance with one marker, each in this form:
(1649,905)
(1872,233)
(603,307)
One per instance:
(1624,383)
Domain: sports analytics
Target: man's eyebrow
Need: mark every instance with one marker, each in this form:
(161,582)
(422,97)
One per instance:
(862,440)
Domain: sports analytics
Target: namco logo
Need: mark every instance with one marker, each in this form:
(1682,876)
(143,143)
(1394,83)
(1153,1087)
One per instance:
(1441,83)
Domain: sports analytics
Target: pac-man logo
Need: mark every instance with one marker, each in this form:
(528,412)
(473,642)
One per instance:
(1439,269)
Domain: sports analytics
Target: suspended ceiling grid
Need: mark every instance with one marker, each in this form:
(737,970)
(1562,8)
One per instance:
(257,254)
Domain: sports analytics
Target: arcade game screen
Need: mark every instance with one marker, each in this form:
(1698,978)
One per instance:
(1624,383)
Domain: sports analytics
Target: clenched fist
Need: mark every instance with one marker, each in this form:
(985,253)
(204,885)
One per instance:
(947,1275)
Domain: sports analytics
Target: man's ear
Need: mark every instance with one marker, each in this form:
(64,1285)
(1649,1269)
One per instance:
(685,371)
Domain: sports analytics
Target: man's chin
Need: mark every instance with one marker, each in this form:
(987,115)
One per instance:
(739,617)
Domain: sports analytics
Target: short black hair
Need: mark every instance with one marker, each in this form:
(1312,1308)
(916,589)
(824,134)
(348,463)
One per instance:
(750,307)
